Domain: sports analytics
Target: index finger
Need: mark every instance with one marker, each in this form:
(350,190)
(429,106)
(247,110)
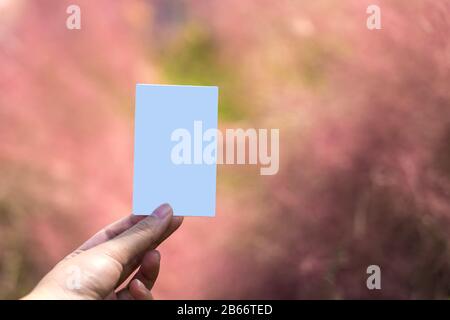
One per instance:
(111,231)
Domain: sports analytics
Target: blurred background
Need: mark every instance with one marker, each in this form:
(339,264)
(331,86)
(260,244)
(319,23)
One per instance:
(364,119)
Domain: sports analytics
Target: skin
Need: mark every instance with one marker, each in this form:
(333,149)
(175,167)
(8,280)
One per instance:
(118,262)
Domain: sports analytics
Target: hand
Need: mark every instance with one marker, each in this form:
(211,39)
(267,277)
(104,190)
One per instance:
(97,269)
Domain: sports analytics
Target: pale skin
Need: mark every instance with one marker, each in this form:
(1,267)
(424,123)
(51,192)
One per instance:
(109,258)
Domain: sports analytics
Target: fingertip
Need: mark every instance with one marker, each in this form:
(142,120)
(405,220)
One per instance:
(150,266)
(177,220)
(163,211)
(138,290)
(154,256)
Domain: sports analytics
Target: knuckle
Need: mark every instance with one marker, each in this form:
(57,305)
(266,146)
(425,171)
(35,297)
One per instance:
(148,229)
(73,254)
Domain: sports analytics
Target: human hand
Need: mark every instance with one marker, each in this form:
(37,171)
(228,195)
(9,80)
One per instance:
(106,260)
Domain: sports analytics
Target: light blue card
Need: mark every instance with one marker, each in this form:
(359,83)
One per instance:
(174,156)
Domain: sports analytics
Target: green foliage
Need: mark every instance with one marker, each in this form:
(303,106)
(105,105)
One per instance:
(193,59)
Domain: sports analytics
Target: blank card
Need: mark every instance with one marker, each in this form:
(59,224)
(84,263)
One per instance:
(175,149)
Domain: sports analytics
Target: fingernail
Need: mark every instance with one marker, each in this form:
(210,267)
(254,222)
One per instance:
(162,211)
(139,284)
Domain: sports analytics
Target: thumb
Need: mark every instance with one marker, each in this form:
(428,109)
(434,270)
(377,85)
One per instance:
(145,235)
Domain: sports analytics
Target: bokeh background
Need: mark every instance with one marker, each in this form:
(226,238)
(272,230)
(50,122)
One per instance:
(364,119)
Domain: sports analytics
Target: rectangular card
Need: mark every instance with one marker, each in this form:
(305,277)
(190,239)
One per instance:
(170,165)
